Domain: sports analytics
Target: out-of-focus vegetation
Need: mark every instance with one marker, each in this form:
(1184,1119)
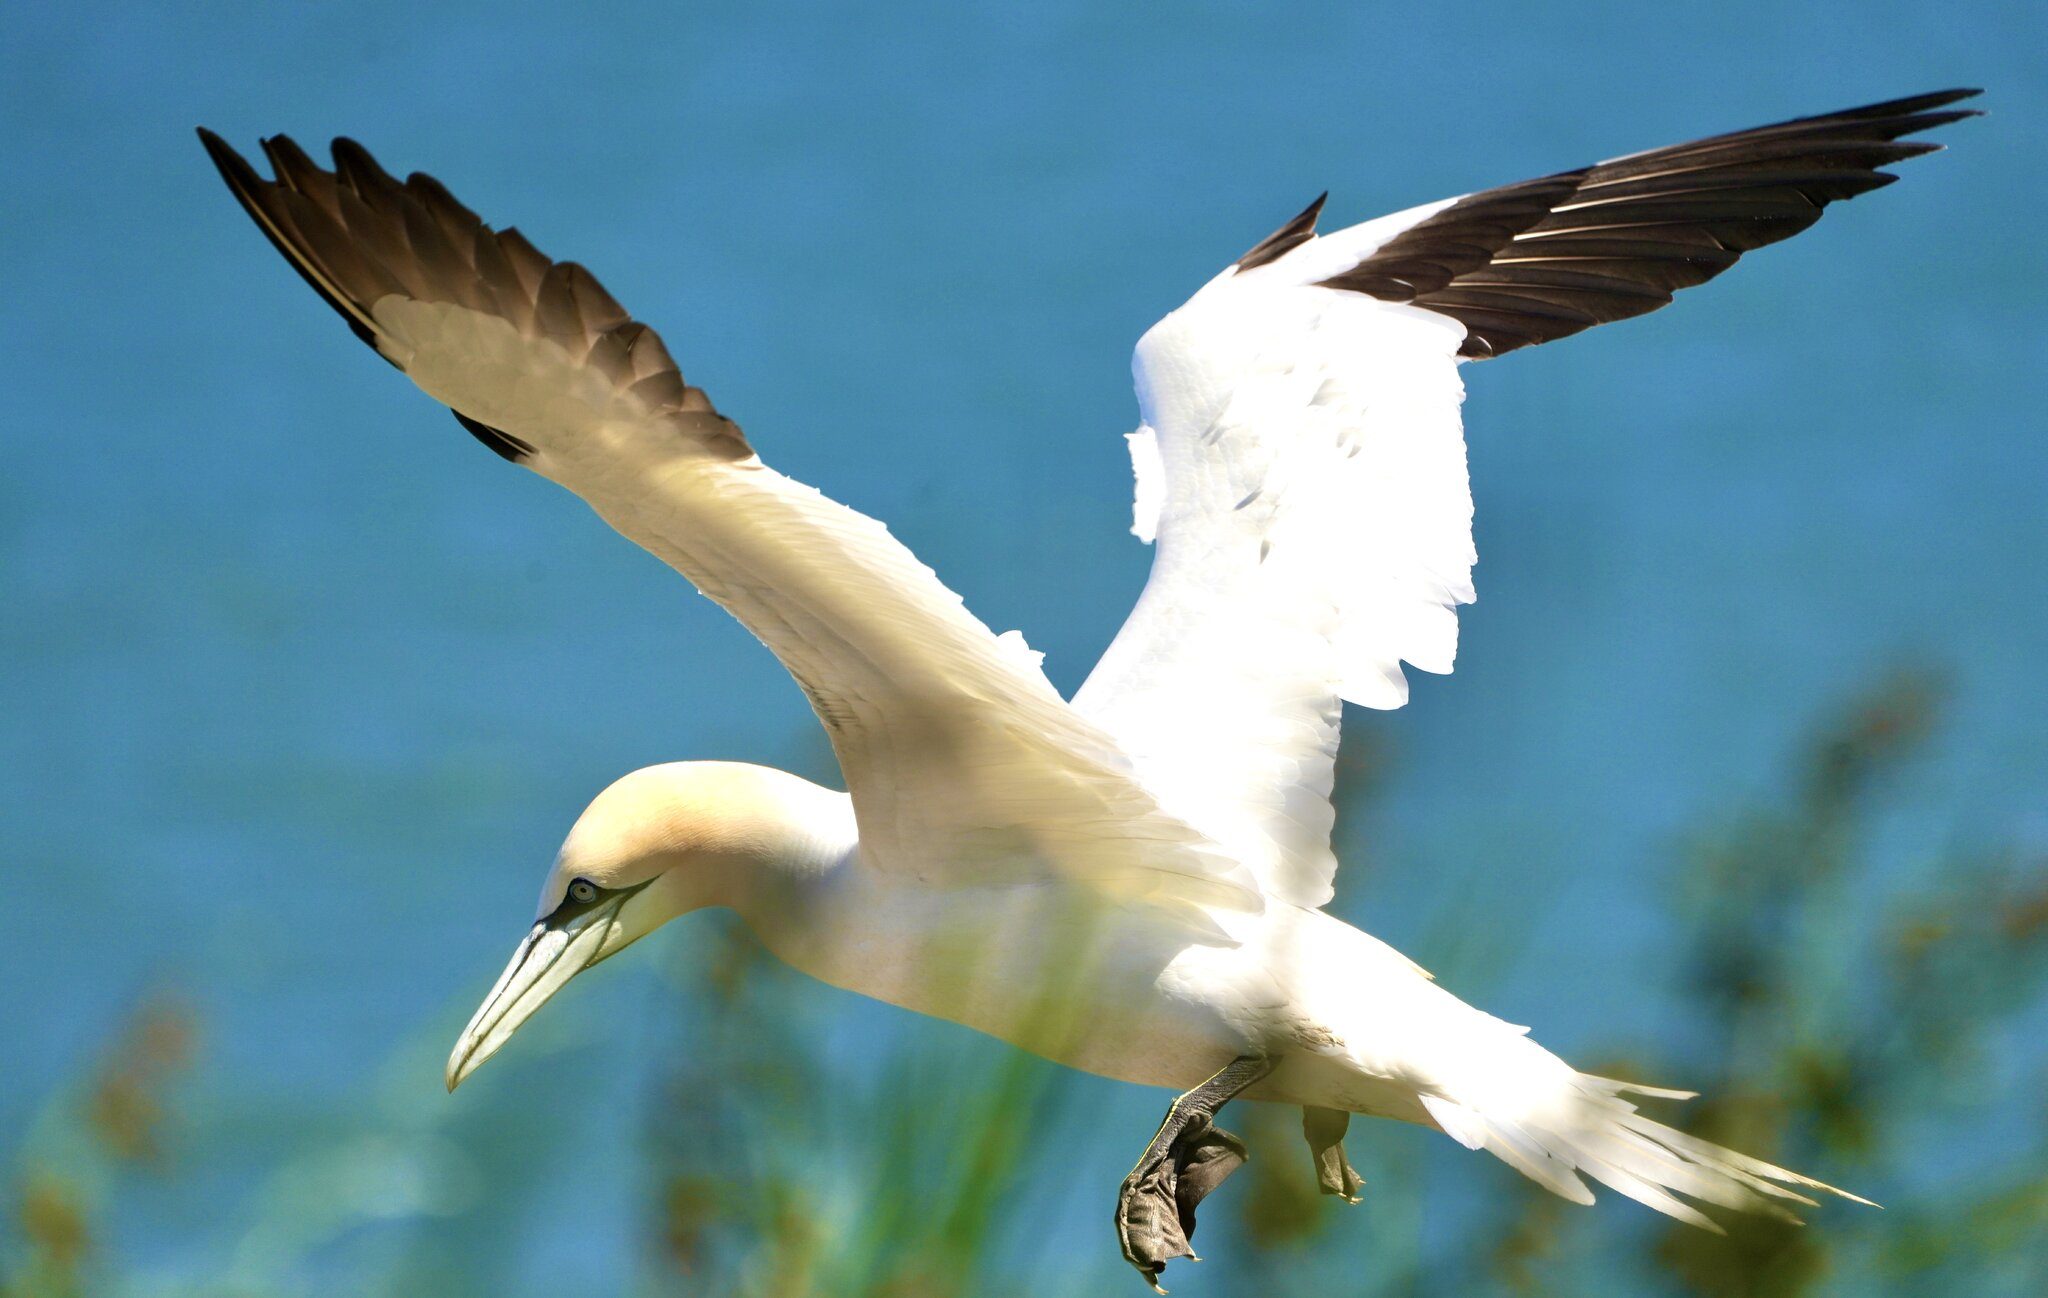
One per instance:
(777,1178)
(1853,1033)
(1837,1022)
(87,1140)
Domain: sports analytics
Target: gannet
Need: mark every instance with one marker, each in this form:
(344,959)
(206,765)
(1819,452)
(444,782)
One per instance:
(1130,882)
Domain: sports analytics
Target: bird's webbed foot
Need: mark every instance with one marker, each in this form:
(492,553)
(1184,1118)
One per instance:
(1155,1212)
(1188,1158)
(1325,1129)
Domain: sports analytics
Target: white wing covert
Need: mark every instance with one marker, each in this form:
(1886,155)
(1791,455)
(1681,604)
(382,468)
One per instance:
(963,762)
(1313,526)
(1301,466)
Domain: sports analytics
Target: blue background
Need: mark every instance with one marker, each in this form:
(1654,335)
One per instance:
(300,687)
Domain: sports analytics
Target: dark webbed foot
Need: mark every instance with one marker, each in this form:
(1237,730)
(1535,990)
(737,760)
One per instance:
(1325,1129)
(1189,1157)
(1155,1212)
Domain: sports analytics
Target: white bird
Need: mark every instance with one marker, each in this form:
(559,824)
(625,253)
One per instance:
(1129,883)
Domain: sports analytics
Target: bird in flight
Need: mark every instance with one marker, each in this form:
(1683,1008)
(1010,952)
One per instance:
(1129,882)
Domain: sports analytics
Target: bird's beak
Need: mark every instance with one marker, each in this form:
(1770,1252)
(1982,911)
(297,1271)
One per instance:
(559,947)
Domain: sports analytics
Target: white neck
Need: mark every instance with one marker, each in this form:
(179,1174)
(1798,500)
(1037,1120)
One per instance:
(799,853)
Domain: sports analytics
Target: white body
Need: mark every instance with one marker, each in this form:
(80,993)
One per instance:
(1117,993)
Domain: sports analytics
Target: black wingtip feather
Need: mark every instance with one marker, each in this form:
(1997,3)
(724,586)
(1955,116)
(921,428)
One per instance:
(503,444)
(247,185)
(353,161)
(356,235)
(1914,103)
(1287,238)
(1660,220)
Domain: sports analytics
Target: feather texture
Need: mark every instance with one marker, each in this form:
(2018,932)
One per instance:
(964,764)
(359,236)
(1302,462)
(1545,258)
(1302,466)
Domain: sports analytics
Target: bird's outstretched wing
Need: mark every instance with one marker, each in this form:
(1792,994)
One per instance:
(962,760)
(1301,465)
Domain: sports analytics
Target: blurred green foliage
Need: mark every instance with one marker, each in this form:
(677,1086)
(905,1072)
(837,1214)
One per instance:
(1841,1035)
(777,1178)
(110,1127)
(1839,1021)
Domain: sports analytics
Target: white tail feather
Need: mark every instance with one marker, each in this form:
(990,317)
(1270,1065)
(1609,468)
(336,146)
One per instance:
(1586,1127)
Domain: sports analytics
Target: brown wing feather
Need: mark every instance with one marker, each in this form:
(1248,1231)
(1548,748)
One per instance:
(1545,258)
(357,235)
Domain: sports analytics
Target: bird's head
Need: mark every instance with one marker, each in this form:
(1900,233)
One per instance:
(661,842)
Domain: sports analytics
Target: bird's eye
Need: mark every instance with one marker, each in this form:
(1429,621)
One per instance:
(582,892)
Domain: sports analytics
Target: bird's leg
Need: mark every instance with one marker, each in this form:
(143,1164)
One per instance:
(1325,1131)
(1189,1157)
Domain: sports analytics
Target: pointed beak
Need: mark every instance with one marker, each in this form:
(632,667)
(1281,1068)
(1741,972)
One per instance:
(558,948)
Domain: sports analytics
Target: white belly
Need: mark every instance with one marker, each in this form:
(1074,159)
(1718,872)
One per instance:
(1119,991)
(1058,975)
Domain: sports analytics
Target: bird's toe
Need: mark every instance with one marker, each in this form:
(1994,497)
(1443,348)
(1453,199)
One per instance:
(1148,1220)
(1334,1173)
(1336,1176)
(1205,1155)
